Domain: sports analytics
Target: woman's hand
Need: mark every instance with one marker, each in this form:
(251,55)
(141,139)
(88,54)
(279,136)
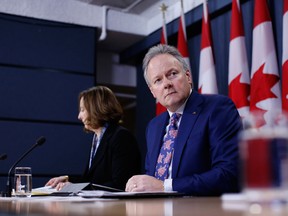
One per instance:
(58,182)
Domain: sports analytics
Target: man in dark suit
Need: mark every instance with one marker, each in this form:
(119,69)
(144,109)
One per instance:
(204,149)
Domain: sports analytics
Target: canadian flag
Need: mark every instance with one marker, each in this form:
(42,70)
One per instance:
(182,38)
(163,40)
(265,82)
(285,58)
(207,75)
(238,77)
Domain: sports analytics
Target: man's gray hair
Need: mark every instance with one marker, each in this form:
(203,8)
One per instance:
(162,49)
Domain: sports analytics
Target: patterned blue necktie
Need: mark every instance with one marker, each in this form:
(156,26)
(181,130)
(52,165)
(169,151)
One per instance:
(167,148)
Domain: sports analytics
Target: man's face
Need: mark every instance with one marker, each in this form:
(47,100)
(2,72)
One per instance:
(168,83)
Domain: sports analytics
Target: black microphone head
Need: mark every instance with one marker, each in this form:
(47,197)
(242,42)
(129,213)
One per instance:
(3,156)
(40,141)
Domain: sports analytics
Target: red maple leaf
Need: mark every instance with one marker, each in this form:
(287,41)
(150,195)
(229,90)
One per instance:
(239,92)
(261,85)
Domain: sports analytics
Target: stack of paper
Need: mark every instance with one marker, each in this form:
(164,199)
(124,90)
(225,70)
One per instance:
(43,190)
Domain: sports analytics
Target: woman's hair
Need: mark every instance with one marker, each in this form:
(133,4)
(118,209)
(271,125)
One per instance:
(102,106)
(162,49)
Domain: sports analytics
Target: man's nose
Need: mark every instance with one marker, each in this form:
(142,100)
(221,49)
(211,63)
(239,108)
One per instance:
(167,83)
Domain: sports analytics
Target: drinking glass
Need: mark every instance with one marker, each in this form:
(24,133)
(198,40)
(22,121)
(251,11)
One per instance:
(23,181)
(263,148)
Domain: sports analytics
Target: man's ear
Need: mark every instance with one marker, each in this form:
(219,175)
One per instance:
(189,77)
(151,90)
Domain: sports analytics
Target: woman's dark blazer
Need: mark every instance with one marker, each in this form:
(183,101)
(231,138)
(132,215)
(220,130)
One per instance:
(116,160)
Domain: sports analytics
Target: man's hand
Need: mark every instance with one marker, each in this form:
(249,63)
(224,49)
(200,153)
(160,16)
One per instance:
(140,183)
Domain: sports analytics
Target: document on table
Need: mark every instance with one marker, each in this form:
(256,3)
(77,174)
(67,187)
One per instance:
(67,190)
(123,195)
(46,190)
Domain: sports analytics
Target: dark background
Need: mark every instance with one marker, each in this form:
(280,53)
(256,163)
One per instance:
(43,67)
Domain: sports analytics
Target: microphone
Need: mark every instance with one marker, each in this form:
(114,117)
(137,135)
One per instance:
(39,142)
(3,156)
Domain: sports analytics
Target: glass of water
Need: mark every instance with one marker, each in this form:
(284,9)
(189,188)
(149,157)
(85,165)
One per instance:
(264,158)
(23,181)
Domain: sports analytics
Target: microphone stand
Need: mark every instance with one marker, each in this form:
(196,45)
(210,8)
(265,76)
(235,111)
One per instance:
(39,142)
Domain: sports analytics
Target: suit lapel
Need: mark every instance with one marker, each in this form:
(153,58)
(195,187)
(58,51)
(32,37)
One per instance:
(191,112)
(100,153)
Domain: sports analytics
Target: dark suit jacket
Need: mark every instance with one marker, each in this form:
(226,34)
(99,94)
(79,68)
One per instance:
(205,161)
(116,160)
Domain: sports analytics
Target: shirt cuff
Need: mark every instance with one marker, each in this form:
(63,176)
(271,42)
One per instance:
(168,185)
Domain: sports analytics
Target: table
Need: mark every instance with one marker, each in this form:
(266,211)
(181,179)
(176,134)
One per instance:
(205,206)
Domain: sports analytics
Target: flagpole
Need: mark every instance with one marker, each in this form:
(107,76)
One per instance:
(182,16)
(159,108)
(205,9)
(163,9)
